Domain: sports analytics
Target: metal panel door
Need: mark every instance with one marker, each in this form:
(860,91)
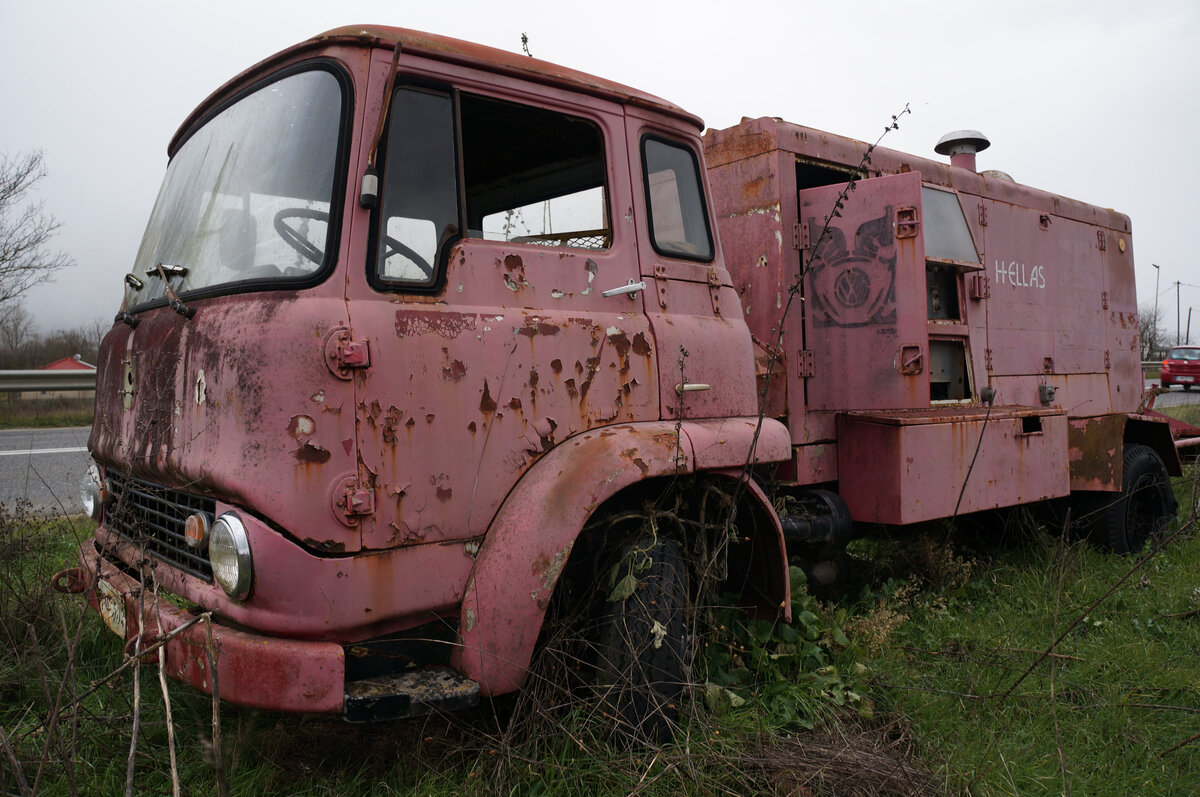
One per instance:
(864,295)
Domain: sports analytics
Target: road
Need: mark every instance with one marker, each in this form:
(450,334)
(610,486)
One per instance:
(1176,397)
(43,469)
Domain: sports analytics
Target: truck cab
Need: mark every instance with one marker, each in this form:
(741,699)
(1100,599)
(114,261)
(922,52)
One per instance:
(407,314)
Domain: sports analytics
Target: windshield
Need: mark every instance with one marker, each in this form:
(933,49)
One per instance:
(248,195)
(1184,354)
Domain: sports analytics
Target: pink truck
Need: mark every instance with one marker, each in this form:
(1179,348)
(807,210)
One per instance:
(424,338)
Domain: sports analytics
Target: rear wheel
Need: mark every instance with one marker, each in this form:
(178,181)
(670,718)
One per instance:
(1125,521)
(643,644)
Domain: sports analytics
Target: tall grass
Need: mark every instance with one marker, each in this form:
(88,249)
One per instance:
(935,674)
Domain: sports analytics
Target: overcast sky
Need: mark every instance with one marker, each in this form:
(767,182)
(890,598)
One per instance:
(1098,100)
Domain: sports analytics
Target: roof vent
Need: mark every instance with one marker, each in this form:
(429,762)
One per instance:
(961,146)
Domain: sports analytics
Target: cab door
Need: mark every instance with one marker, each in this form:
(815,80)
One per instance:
(491,342)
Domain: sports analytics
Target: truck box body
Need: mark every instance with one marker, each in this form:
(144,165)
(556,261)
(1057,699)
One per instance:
(931,283)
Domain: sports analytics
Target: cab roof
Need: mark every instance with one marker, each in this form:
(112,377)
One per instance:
(459,52)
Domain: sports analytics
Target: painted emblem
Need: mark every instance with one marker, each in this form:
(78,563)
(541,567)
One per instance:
(854,288)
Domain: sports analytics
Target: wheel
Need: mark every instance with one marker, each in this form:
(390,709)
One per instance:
(1187,388)
(1124,521)
(643,642)
(393,247)
(294,238)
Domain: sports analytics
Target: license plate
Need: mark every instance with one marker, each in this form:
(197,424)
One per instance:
(1185,379)
(112,608)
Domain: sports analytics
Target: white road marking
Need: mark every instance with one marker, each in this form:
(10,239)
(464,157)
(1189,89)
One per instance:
(31,451)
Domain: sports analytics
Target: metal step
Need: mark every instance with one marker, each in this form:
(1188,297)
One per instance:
(408,694)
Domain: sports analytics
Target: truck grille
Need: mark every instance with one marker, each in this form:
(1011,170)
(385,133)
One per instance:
(152,516)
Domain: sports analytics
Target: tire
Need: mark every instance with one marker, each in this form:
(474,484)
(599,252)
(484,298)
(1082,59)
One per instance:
(1187,388)
(644,642)
(1126,520)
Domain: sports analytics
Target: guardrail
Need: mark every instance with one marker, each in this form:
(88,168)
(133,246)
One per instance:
(21,381)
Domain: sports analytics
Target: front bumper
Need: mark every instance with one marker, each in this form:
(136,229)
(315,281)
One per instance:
(252,669)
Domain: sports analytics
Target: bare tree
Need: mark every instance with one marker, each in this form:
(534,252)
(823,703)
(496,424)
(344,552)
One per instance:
(1154,336)
(25,230)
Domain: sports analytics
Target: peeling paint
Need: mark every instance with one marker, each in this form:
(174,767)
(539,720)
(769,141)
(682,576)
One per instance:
(547,570)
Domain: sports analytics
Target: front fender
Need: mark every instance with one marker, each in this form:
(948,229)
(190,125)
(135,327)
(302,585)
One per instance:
(531,537)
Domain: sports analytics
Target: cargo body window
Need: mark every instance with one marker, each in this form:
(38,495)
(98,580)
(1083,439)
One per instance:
(678,219)
(528,175)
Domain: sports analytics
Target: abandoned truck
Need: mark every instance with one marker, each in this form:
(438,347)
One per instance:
(425,338)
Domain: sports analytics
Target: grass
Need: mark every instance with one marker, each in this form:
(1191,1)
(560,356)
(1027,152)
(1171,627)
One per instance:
(913,684)
(44,413)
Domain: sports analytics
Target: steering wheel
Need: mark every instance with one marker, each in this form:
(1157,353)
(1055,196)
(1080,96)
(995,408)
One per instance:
(393,246)
(294,237)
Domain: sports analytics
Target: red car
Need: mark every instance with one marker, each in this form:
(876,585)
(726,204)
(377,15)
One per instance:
(1181,367)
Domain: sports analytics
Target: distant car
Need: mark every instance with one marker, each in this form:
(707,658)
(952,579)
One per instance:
(1181,367)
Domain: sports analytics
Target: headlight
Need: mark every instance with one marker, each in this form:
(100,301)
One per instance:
(229,554)
(95,492)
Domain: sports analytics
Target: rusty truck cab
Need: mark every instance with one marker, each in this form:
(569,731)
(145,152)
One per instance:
(406,312)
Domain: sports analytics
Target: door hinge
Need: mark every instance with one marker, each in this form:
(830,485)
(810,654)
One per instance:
(1104,300)
(1100,240)
(352,500)
(660,282)
(714,290)
(987,359)
(807,364)
(982,215)
(800,239)
(981,287)
(344,354)
(1107,361)
(907,222)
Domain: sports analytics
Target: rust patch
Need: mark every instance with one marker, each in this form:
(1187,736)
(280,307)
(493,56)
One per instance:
(487,403)
(572,391)
(515,404)
(621,343)
(301,427)
(556,366)
(455,371)
(546,569)
(390,422)
(513,263)
(471,427)
(535,327)
(441,485)
(593,364)
(308,454)
(330,546)
(640,346)
(410,323)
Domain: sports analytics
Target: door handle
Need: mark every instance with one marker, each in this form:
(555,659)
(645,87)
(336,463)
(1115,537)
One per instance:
(632,289)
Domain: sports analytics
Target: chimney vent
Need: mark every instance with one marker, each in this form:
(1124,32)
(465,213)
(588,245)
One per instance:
(961,146)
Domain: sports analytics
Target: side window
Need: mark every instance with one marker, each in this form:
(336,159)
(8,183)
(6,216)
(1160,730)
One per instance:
(678,220)
(533,176)
(420,191)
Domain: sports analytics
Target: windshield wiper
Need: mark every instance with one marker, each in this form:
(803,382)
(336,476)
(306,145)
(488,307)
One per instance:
(164,271)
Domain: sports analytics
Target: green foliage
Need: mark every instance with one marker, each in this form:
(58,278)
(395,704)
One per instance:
(1110,711)
(795,674)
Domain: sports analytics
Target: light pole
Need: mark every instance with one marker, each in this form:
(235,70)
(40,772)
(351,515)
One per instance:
(1154,337)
